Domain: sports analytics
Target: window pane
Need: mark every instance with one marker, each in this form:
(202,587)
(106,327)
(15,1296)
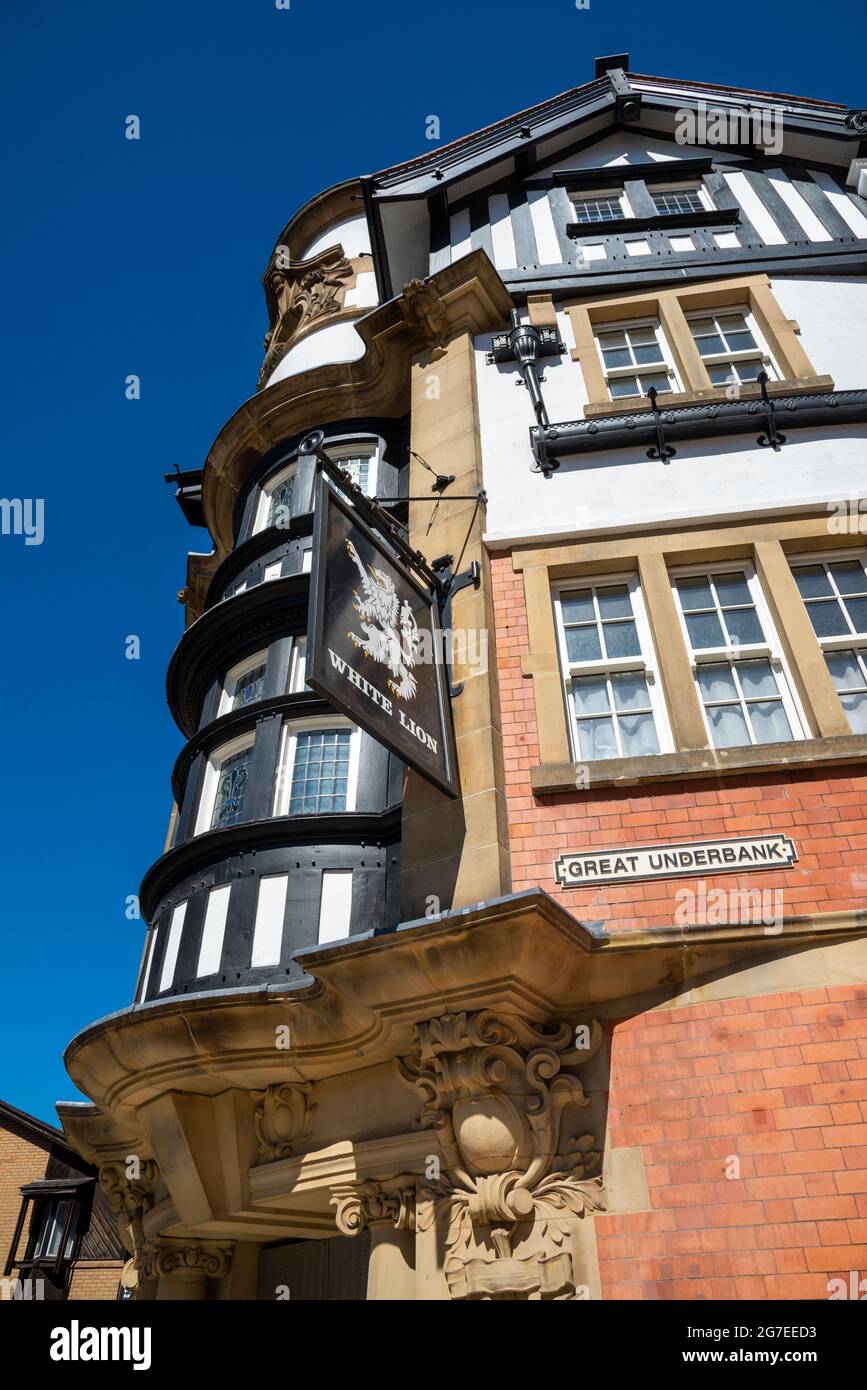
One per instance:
(828,619)
(321,764)
(849,577)
(582,644)
(231,789)
(857,610)
(616,357)
(614,602)
(621,639)
(769,722)
(704,631)
(613,337)
(813,582)
(638,735)
(281,497)
(590,695)
(856,712)
(249,687)
(844,669)
(694,593)
(722,374)
(648,353)
(657,379)
(700,326)
(578,606)
(727,726)
(749,369)
(710,345)
(757,680)
(716,683)
(624,386)
(732,588)
(743,626)
(732,323)
(740,342)
(596,739)
(630,691)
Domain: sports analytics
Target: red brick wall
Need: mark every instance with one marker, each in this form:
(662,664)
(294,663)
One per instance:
(825,812)
(779,1081)
(20,1162)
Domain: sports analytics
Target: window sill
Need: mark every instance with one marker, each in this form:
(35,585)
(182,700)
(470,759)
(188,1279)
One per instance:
(555,778)
(795,386)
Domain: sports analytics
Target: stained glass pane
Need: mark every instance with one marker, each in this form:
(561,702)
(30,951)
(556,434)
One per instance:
(231,789)
(281,501)
(248,687)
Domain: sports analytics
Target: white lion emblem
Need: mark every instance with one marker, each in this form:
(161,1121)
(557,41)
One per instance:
(392,632)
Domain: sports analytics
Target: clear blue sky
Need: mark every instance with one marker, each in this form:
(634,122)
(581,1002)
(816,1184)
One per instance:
(122,257)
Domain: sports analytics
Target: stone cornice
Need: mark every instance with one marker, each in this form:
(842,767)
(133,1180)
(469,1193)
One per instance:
(363,997)
(471,298)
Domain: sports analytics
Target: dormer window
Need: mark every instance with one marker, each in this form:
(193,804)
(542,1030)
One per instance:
(608,205)
(681,198)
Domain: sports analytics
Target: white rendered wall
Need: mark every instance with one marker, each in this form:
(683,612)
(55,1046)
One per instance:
(339,342)
(615,489)
(832,316)
(352,234)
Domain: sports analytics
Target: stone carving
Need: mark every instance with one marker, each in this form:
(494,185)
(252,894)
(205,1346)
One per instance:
(130,1196)
(364,1203)
(426,313)
(280,1118)
(298,293)
(495,1087)
(164,1257)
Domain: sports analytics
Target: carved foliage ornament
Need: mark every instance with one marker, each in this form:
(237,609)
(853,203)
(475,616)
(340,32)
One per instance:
(130,1187)
(426,313)
(163,1257)
(362,1204)
(298,293)
(495,1087)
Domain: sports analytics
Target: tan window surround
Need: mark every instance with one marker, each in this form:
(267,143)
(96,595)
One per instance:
(767,546)
(670,307)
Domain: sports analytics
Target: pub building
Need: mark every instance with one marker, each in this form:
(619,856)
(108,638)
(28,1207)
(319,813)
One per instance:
(448,1017)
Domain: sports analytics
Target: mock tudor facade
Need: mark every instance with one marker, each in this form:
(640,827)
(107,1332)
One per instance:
(597,1027)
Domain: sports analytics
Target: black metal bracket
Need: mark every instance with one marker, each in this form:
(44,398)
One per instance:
(525,344)
(771,438)
(370,512)
(661,451)
(452,584)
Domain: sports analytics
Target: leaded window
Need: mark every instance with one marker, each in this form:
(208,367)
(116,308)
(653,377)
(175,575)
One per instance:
(248,687)
(231,788)
(280,505)
(599,208)
(674,200)
(320,771)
